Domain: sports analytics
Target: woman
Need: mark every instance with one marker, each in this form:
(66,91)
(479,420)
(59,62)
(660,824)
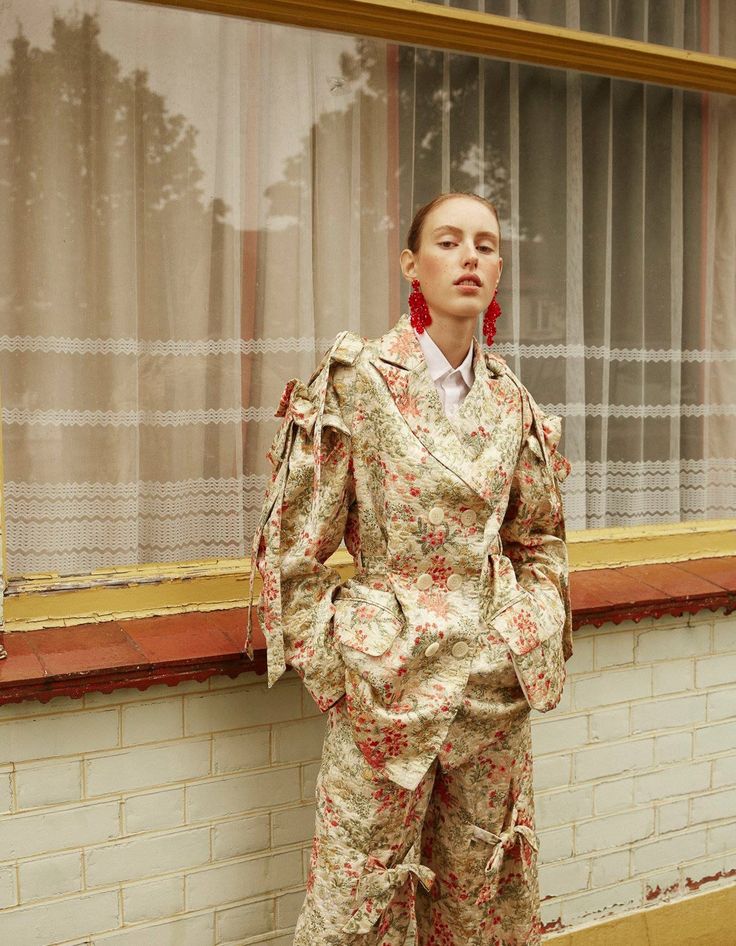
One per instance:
(444,485)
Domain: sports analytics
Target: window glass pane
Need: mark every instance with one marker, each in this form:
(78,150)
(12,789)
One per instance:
(612,235)
(682,24)
(191,207)
(164,175)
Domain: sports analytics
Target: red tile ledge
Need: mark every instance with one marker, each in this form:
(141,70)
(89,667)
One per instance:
(635,592)
(100,658)
(142,653)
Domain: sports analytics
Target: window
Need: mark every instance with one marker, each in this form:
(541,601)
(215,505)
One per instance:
(193,206)
(684,24)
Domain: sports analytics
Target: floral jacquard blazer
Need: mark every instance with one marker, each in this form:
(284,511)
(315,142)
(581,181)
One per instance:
(456,528)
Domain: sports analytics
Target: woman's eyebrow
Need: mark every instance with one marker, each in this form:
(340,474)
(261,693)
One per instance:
(447,228)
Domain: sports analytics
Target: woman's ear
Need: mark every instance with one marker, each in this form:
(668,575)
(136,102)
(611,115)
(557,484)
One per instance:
(408,265)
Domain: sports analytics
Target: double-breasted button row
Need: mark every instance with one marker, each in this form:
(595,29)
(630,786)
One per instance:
(436,515)
(459,649)
(425,581)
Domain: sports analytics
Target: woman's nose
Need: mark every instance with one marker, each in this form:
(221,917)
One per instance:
(470,256)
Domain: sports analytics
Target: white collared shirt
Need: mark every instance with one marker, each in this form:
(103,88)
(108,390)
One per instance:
(452,383)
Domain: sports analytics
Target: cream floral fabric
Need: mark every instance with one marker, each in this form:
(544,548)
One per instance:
(456,622)
(456,529)
(451,863)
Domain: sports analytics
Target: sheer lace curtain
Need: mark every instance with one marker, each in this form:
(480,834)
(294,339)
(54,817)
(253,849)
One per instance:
(191,207)
(618,291)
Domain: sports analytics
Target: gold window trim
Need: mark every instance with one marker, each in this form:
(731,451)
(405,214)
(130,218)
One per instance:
(145,590)
(485,34)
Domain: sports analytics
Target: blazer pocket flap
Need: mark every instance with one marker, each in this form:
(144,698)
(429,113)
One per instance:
(367,623)
(520,628)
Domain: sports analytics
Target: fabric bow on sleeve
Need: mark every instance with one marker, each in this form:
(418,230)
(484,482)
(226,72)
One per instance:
(296,406)
(305,410)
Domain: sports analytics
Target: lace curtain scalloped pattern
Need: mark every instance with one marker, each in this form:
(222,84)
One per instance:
(178,240)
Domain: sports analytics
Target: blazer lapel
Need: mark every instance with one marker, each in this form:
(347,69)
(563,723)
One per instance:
(400,361)
(481,420)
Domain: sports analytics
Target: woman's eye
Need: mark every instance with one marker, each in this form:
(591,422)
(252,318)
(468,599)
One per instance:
(485,249)
(447,243)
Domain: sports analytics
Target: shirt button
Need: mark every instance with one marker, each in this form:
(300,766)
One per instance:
(424,581)
(436,515)
(460,649)
(468,517)
(432,649)
(454,582)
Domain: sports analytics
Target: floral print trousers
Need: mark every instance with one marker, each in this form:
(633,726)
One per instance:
(451,863)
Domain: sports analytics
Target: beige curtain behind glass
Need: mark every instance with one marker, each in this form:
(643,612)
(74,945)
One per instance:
(619,243)
(191,207)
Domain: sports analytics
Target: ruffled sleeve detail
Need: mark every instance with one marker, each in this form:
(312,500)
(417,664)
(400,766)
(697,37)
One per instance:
(303,513)
(533,530)
(545,441)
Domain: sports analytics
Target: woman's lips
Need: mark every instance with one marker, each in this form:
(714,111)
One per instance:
(468,281)
(469,288)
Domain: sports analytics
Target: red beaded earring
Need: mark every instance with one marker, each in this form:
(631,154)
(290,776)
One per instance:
(420,317)
(489,319)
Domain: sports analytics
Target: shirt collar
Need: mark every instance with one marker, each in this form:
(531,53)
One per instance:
(438,364)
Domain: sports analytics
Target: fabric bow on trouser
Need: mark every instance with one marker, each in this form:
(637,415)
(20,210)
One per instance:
(503,842)
(378,885)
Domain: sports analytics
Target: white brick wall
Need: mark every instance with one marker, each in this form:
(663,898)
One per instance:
(182,816)
(175,817)
(650,810)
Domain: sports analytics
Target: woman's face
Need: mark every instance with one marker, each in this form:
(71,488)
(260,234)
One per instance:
(457,263)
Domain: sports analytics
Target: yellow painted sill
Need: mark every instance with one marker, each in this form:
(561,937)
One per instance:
(49,600)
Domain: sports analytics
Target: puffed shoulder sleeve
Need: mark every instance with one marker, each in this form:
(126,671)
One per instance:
(533,530)
(551,426)
(302,523)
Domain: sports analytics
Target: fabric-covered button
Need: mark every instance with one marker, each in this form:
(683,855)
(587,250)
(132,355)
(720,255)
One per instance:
(454,582)
(468,517)
(432,649)
(436,515)
(424,581)
(460,649)
(367,773)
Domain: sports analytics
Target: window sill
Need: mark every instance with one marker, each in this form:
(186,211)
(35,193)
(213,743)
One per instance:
(139,653)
